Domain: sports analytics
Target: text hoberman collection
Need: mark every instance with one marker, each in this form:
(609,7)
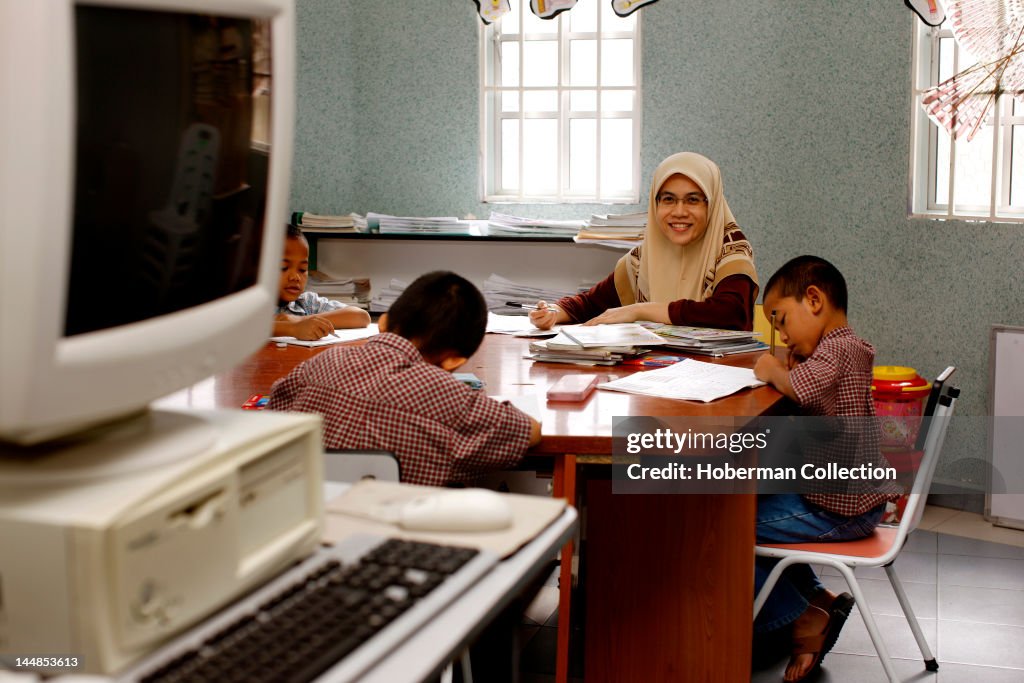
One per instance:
(726,471)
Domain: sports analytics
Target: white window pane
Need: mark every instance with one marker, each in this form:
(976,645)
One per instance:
(616,155)
(1017,169)
(510,101)
(617,62)
(534,24)
(509,22)
(509,64)
(582,62)
(583,16)
(540,100)
(946,49)
(510,155)
(540,156)
(610,21)
(617,100)
(583,100)
(583,156)
(540,63)
(941,166)
(972,184)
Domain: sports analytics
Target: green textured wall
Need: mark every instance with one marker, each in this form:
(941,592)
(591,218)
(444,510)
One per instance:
(804,104)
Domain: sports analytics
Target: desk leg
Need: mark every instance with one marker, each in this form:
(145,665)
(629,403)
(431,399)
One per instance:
(564,485)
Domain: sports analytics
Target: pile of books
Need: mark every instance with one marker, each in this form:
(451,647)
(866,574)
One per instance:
(594,345)
(354,291)
(706,341)
(506,225)
(386,296)
(416,225)
(616,230)
(322,223)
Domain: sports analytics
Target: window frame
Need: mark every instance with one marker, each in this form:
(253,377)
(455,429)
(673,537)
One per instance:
(491,114)
(925,143)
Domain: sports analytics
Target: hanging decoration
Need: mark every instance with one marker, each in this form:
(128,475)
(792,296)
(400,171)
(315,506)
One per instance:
(930,11)
(492,10)
(626,7)
(549,9)
(992,31)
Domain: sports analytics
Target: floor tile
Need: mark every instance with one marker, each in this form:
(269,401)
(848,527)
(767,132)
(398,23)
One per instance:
(854,639)
(882,599)
(959,545)
(921,541)
(934,515)
(966,642)
(973,525)
(962,673)
(542,607)
(844,668)
(985,605)
(983,572)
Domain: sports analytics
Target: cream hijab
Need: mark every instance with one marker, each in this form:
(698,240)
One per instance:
(661,271)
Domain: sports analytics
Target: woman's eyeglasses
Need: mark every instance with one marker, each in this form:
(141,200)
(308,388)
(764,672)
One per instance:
(667,199)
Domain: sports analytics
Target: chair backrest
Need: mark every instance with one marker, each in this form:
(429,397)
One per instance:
(937,424)
(352,465)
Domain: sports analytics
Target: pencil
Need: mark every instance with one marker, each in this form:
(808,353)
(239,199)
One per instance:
(772,350)
(516,304)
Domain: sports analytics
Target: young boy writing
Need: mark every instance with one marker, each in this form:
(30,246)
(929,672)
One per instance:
(827,372)
(397,393)
(302,314)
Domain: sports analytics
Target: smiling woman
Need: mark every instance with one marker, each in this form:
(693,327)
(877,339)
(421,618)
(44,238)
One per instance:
(694,267)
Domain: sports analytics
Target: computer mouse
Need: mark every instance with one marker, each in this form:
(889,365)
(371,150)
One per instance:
(456,510)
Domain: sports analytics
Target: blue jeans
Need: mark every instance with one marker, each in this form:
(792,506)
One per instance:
(788,518)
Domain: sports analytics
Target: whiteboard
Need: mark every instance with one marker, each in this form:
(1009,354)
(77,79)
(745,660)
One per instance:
(1006,399)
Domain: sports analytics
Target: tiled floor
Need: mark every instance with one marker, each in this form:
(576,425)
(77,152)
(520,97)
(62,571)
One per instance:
(964,577)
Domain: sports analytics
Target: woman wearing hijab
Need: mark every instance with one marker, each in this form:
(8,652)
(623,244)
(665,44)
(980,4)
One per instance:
(694,267)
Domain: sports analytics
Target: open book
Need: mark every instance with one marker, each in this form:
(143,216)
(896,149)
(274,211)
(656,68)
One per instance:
(610,334)
(689,380)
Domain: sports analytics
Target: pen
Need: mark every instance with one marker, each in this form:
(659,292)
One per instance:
(516,304)
(571,338)
(772,351)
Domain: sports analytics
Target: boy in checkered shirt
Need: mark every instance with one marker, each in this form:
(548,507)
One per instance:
(827,372)
(397,393)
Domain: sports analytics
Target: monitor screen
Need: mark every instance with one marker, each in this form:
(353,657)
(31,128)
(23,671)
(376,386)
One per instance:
(168,197)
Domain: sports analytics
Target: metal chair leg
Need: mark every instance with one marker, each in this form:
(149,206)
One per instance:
(897,586)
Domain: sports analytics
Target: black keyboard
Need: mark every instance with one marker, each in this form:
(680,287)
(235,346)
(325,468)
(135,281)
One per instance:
(329,614)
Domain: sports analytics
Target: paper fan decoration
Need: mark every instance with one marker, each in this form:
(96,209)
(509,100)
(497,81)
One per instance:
(930,11)
(992,31)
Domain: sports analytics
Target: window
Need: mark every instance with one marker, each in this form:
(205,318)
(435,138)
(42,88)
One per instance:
(982,179)
(560,109)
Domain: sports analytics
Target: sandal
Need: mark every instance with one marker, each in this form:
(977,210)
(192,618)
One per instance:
(821,644)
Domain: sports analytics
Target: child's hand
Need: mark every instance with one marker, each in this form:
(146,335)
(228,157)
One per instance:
(545,316)
(311,327)
(767,366)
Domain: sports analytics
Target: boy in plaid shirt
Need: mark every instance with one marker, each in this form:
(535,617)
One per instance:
(397,393)
(828,372)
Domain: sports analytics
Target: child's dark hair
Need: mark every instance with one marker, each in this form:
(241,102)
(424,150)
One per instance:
(442,311)
(797,274)
(294,232)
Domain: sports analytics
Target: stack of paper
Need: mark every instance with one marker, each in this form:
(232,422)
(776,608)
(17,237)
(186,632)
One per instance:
(504,224)
(690,380)
(415,225)
(707,341)
(349,290)
(321,223)
(336,337)
(498,290)
(617,230)
(595,344)
(383,299)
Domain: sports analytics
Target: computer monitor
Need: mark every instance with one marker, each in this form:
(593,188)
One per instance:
(143,192)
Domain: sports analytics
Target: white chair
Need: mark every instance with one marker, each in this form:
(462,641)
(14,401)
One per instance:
(352,465)
(882,547)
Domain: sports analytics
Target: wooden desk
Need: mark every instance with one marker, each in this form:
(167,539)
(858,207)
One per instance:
(669,578)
